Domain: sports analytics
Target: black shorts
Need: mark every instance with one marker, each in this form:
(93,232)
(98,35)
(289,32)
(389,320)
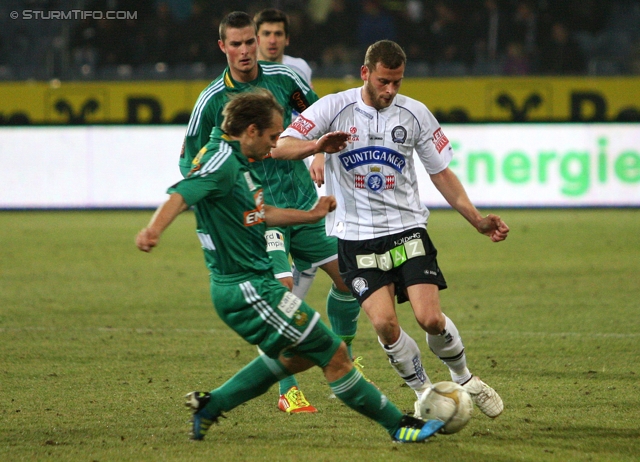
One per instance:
(404,259)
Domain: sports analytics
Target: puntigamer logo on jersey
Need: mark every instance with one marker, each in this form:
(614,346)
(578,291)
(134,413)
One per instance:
(373,155)
(255,216)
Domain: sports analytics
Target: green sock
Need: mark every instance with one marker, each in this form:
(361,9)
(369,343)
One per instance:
(251,381)
(366,399)
(343,311)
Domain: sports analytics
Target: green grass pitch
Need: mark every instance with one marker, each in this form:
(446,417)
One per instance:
(99,342)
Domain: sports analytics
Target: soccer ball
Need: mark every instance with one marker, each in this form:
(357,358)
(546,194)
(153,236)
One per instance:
(448,402)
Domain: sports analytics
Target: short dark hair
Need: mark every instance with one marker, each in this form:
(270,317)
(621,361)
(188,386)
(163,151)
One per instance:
(235,20)
(248,108)
(386,52)
(272,15)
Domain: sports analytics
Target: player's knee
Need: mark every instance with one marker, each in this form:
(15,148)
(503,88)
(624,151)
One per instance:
(386,326)
(340,362)
(432,322)
(295,364)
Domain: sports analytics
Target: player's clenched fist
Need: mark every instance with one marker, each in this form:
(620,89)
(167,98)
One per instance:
(146,240)
(494,227)
(325,205)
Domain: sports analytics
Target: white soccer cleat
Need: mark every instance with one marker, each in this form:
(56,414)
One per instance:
(485,397)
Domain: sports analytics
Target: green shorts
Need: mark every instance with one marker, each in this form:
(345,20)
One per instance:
(264,313)
(308,245)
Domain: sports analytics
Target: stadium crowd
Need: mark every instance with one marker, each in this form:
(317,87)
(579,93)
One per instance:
(178,38)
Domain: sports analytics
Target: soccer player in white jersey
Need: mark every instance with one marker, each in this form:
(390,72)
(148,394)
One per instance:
(370,134)
(272,27)
(273,37)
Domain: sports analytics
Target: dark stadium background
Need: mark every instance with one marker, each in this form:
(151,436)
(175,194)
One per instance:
(177,39)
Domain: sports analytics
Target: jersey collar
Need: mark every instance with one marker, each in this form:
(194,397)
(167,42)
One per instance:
(233,85)
(237,152)
(364,106)
(371,110)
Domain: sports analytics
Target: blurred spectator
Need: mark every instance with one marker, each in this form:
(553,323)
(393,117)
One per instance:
(561,53)
(489,29)
(107,42)
(448,35)
(415,34)
(634,59)
(337,33)
(373,23)
(524,30)
(162,38)
(516,61)
(199,37)
(83,44)
(3,53)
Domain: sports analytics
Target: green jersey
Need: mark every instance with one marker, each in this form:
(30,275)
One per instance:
(287,183)
(228,201)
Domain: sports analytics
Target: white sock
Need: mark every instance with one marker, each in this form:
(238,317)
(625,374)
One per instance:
(449,348)
(404,357)
(302,281)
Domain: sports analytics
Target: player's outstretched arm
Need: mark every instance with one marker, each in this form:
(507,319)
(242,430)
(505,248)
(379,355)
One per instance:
(275,216)
(148,237)
(290,148)
(452,190)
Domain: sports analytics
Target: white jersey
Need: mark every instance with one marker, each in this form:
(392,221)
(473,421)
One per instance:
(299,65)
(374,178)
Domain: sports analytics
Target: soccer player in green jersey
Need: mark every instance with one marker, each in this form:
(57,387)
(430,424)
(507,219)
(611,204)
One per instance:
(287,184)
(231,217)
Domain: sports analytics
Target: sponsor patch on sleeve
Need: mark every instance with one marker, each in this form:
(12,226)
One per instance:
(303,125)
(440,140)
(298,101)
(275,240)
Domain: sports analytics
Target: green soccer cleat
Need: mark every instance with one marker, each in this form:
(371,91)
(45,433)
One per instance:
(414,430)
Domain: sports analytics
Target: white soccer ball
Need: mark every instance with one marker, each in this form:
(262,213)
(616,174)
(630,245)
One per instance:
(448,402)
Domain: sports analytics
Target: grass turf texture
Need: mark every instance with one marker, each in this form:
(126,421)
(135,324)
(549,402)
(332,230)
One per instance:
(99,342)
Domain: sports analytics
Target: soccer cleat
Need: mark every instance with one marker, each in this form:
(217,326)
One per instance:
(485,397)
(201,419)
(414,430)
(293,401)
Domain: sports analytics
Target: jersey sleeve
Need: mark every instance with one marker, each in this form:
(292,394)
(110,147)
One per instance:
(206,183)
(301,96)
(312,123)
(433,147)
